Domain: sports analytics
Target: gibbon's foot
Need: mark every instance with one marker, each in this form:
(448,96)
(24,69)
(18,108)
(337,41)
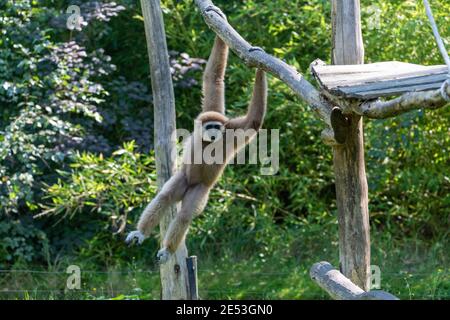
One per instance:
(134,236)
(163,255)
(255,49)
(216,10)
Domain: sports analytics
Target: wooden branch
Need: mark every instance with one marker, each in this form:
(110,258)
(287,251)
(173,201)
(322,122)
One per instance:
(333,282)
(380,109)
(256,57)
(341,288)
(174,275)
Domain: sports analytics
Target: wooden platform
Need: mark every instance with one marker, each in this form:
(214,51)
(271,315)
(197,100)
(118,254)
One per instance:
(369,81)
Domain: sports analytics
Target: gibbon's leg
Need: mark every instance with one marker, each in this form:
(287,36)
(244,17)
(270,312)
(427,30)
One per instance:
(213,78)
(193,203)
(172,191)
(257,108)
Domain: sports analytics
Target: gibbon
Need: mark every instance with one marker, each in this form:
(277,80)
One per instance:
(192,183)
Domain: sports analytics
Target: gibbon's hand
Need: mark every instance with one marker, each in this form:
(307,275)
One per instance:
(134,236)
(255,49)
(163,255)
(217,10)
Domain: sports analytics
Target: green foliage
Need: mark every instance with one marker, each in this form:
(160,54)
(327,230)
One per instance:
(66,114)
(45,89)
(19,239)
(403,32)
(112,187)
(96,197)
(59,95)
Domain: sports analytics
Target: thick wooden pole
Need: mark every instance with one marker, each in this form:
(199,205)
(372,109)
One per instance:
(349,165)
(174,272)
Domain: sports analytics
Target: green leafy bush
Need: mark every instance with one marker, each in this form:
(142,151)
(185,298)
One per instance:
(46,89)
(103,187)
(59,95)
(21,242)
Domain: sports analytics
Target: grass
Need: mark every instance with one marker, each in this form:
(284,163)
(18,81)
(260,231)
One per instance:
(410,269)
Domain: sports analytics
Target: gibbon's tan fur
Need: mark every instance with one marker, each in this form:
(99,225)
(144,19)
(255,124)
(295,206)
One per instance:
(192,183)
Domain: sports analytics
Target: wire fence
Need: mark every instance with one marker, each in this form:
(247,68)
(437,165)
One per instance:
(44,287)
(153,271)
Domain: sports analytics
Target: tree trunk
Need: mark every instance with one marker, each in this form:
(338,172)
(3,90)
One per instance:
(349,165)
(174,272)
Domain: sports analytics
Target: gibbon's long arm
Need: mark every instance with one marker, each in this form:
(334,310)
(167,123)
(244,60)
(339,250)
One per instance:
(213,78)
(257,107)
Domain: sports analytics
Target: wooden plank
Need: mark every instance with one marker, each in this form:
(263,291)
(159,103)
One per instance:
(332,75)
(378,79)
(376,67)
(372,94)
(350,80)
(411,81)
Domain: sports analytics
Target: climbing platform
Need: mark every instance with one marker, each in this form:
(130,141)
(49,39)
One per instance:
(382,79)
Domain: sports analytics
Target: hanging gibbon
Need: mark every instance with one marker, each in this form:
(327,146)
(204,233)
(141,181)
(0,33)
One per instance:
(192,183)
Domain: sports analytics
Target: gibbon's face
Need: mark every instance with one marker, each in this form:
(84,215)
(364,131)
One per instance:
(212,131)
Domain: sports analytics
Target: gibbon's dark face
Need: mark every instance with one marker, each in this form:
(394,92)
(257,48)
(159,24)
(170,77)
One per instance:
(212,131)
(212,126)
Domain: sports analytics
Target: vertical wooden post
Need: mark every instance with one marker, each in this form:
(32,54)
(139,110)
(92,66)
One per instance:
(192,277)
(174,272)
(349,165)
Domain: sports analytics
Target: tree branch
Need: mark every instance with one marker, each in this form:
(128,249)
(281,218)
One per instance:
(256,57)
(380,109)
(341,288)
